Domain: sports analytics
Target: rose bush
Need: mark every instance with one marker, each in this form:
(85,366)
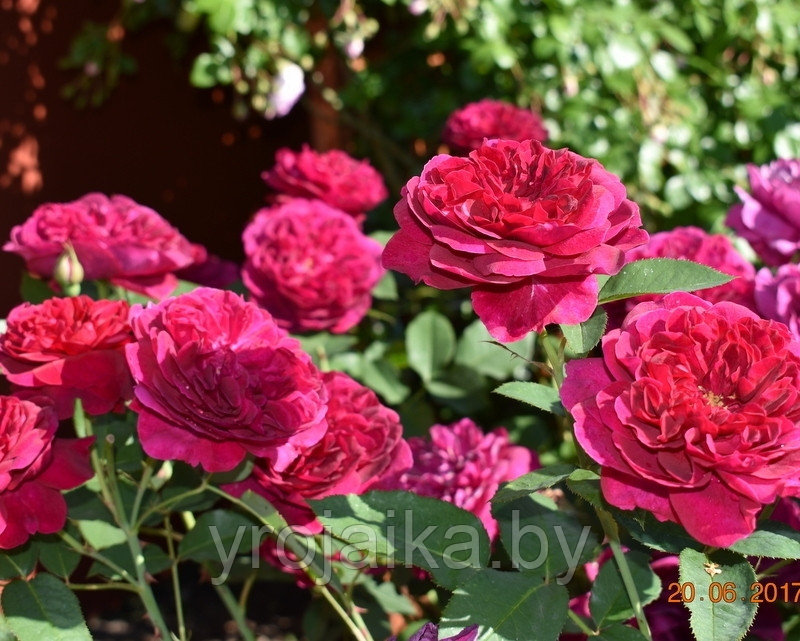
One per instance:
(333,177)
(526,227)
(363,444)
(769,215)
(217,379)
(70,348)
(693,413)
(468,127)
(34,468)
(114,238)
(310,266)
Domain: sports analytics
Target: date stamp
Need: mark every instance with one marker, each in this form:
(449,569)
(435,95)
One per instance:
(759,592)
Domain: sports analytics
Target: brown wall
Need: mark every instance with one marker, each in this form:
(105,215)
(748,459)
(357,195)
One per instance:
(156,139)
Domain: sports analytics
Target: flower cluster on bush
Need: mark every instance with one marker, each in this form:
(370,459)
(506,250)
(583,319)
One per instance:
(686,412)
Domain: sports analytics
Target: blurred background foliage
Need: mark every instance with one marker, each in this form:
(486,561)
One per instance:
(674,96)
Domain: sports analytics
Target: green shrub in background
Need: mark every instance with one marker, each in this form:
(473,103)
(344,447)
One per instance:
(674,96)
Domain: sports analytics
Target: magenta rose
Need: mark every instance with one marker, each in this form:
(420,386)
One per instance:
(462,465)
(333,177)
(769,216)
(217,379)
(468,127)
(693,413)
(430,632)
(778,296)
(70,348)
(34,468)
(114,238)
(364,443)
(695,244)
(310,266)
(526,227)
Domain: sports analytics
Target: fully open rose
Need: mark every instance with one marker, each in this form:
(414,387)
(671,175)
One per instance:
(310,266)
(114,238)
(69,348)
(466,128)
(526,227)
(693,412)
(34,468)
(364,443)
(217,379)
(332,176)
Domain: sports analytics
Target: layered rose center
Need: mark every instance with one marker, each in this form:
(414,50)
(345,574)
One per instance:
(723,392)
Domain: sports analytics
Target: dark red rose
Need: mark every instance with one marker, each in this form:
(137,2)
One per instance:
(468,127)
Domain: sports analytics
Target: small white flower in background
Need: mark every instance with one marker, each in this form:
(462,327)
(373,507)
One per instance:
(287,87)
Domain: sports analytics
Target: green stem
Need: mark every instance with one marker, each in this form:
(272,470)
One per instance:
(143,485)
(170,501)
(244,595)
(581,624)
(348,621)
(610,528)
(92,554)
(176,584)
(772,569)
(90,587)
(227,598)
(83,429)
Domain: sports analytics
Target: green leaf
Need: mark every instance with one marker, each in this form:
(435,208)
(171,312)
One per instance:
(660,276)
(508,607)
(43,608)
(101,534)
(586,484)
(609,601)
(19,562)
(663,536)
(718,621)
(386,289)
(388,598)
(216,534)
(155,560)
(56,556)
(434,535)
(34,290)
(772,539)
(582,338)
(531,482)
(542,396)
(384,378)
(204,71)
(482,353)
(542,540)
(430,343)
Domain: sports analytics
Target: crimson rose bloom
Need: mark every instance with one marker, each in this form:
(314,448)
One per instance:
(363,444)
(525,226)
(310,266)
(68,348)
(114,238)
(695,244)
(34,468)
(216,378)
(430,632)
(462,465)
(693,413)
(769,216)
(778,296)
(466,128)
(333,177)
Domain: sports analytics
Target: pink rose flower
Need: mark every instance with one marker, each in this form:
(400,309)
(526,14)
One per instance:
(310,266)
(695,244)
(462,465)
(217,379)
(114,238)
(525,226)
(364,443)
(693,413)
(333,177)
(778,296)
(769,216)
(34,468)
(468,127)
(70,348)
